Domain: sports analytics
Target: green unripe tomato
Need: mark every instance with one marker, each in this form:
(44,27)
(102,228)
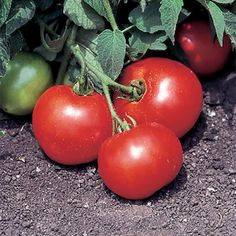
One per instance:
(28,76)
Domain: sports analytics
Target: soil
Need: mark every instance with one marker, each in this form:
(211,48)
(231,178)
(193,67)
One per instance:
(39,197)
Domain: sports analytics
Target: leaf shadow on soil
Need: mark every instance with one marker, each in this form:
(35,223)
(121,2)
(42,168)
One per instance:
(193,137)
(220,90)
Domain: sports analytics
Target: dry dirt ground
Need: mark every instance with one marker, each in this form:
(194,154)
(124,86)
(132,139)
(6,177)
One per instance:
(39,197)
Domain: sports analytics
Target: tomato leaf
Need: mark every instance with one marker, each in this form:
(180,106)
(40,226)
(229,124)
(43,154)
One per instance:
(16,42)
(21,12)
(230,26)
(5,54)
(83,15)
(111,50)
(224,1)
(98,7)
(88,46)
(4,10)
(217,17)
(148,20)
(170,11)
(140,42)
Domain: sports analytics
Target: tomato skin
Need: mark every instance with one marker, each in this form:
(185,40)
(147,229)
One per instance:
(70,128)
(137,163)
(27,77)
(205,56)
(173,95)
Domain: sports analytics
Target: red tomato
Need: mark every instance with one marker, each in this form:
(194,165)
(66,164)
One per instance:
(173,94)
(71,128)
(204,54)
(137,163)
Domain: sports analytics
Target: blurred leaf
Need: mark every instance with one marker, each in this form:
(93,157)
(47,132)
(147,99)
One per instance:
(111,48)
(83,15)
(21,12)
(224,1)
(4,53)
(170,11)
(230,26)
(43,4)
(217,17)
(148,20)
(4,10)
(16,43)
(46,54)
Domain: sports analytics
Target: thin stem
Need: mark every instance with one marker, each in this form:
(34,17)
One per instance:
(46,27)
(110,14)
(67,55)
(123,124)
(128,28)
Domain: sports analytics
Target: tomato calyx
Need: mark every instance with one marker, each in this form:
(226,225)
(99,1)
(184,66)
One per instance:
(138,91)
(83,87)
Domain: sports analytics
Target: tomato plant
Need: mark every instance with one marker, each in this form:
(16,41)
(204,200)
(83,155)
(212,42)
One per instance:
(27,77)
(71,128)
(204,53)
(137,163)
(173,94)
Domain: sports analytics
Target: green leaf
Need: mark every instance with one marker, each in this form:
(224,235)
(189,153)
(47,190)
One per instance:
(140,42)
(88,46)
(2,132)
(4,10)
(230,26)
(21,12)
(224,1)
(148,20)
(111,50)
(170,11)
(217,18)
(4,54)
(46,54)
(16,43)
(83,15)
(98,7)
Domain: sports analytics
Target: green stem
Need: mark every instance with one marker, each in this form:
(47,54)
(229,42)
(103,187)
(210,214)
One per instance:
(123,124)
(67,55)
(101,76)
(46,27)
(110,14)
(128,28)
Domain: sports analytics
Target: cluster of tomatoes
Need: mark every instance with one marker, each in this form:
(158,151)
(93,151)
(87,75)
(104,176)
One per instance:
(73,129)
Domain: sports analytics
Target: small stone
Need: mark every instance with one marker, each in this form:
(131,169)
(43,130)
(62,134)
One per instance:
(211,113)
(22,158)
(26,224)
(232,171)
(210,189)
(38,169)
(7,178)
(13,133)
(86,205)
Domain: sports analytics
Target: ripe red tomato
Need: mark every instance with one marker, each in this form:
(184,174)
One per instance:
(173,95)
(137,163)
(204,54)
(70,128)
